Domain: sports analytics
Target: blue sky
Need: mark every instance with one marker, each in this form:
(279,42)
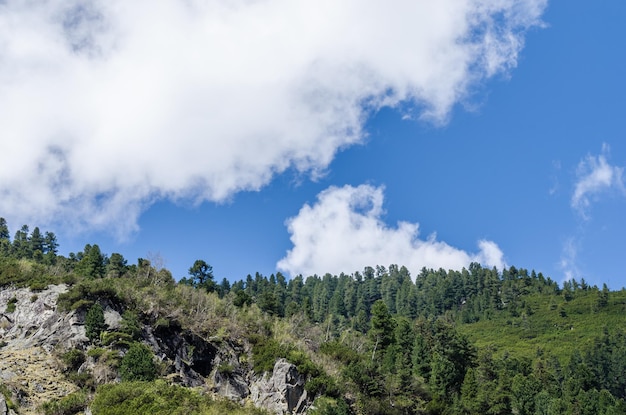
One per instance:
(352,153)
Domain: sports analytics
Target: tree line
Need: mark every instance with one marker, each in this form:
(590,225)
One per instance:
(394,339)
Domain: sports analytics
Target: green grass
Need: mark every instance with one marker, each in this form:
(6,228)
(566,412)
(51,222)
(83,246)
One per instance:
(555,326)
(159,398)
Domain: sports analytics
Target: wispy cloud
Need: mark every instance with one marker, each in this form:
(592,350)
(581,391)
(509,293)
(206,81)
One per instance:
(106,106)
(569,259)
(344,232)
(554,178)
(595,176)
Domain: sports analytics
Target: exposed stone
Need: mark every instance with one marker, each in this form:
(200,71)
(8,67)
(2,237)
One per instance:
(36,322)
(231,385)
(36,328)
(283,392)
(112,318)
(4,409)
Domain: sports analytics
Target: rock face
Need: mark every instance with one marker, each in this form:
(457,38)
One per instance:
(33,328)
(283,392)
(195,361)
(36,321)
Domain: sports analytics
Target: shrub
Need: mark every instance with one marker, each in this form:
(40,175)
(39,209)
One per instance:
(73,359)
(41,283)
(339,351)
(68,405)
(93,291)
(96,352)
(329,406)
(159,398)
(130,324)
(116,338)
(83,380)
(265,352)
(225,368)
(11,305)
(138,364)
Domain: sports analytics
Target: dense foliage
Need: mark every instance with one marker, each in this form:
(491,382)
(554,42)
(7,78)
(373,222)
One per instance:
(472,341)
(159,398)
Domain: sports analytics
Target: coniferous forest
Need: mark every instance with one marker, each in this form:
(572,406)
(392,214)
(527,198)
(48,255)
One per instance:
(377,341)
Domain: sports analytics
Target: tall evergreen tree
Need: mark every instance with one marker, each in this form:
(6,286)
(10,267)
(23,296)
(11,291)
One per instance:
(94,322)
(50,244)
(92,262)
(21,246)
(4,229)
(5,241)
(381,333)
(117,265)
(202,275)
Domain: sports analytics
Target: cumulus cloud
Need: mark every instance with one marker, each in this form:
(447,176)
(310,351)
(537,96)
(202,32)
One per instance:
(107,106)
(594,177)
(344,232)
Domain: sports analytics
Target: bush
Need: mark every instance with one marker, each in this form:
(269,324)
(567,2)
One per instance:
(73,359)
(130,324)
(41,283)
(225,368)
(11,305)
(159,398)
(116,338)
(83,380)
(68,405)
(138,364)
(329,406)
(265,352)
(96,352)
(89,291)
(339,351)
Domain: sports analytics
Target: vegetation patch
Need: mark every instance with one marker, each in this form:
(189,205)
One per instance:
(138,364)
(11,305)
(68,405)
(159,398)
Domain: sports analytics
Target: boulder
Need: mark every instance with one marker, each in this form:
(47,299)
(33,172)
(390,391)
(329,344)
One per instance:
(282,392)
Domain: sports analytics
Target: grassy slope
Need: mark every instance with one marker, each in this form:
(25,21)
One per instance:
(548,328)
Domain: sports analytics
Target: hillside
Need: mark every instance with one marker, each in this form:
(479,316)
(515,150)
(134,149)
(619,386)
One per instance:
(89,333)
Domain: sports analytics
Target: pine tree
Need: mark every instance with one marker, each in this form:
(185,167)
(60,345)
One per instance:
(94,322)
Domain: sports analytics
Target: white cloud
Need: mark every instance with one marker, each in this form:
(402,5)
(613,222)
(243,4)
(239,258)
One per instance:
(595,176)
(569,259)
(106,106)
(343,232)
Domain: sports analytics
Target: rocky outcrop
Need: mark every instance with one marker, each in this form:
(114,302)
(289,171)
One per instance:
(31,328)
(4,408)
(35,320)
(195,361)
(282,392)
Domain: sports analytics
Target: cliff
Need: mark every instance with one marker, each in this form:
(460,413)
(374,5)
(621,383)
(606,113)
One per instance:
(35,334)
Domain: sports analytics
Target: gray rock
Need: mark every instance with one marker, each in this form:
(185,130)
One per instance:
(36,321)
(232,386)
(283,392)
(112,318)
(189,358)
(4,409)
